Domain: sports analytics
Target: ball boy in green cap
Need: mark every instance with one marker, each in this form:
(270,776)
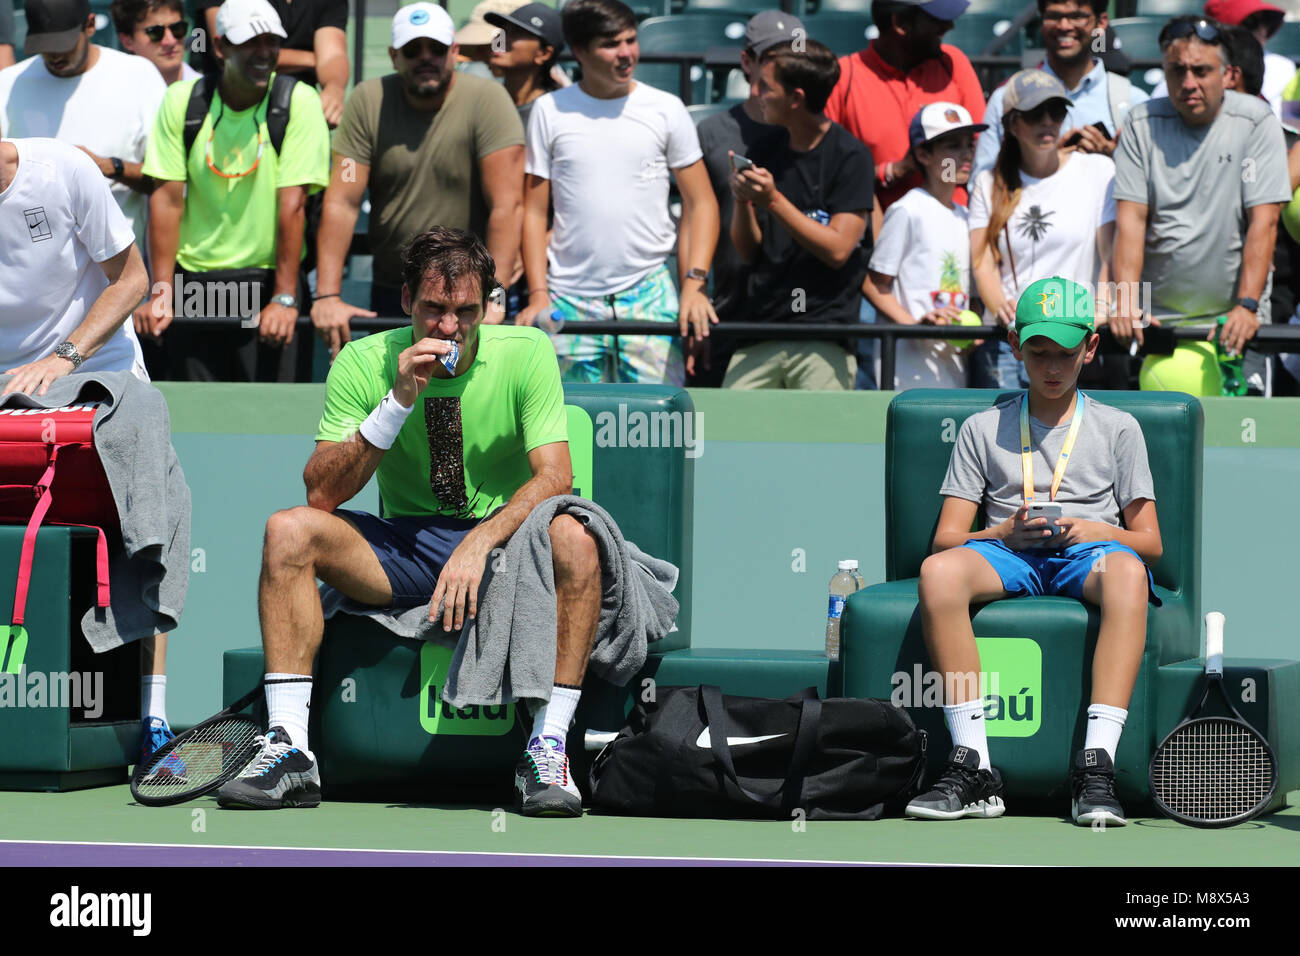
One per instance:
(1050,444)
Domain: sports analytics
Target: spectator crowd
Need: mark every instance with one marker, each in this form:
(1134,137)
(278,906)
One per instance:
(882,186)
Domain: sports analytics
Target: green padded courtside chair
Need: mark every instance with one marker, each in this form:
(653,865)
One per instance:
(1041,648)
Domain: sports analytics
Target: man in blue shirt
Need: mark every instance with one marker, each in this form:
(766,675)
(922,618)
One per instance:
(1073,31)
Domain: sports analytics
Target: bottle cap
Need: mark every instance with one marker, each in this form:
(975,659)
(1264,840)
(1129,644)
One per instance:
(849,565)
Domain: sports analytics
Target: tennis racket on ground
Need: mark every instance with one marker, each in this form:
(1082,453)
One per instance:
(1213,771)
(201,759)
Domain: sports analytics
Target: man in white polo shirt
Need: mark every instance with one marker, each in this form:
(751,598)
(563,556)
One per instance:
(99,99)
(72,273)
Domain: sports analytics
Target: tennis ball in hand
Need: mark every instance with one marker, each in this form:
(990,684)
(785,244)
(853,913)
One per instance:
(966,318)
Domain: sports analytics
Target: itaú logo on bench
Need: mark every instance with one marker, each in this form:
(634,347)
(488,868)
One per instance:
(1010,683)
(439,717)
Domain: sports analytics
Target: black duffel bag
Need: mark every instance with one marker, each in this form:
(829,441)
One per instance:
(697,753)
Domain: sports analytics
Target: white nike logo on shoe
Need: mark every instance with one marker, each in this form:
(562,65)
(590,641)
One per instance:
(704,742)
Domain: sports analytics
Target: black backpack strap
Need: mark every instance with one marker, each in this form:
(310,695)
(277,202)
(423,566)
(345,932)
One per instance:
(277,113)
(196,111)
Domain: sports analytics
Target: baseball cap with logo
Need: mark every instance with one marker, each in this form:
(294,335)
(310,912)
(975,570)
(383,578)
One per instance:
(54,25)
(417,20)
(477,31)
(241,20)
(1233,12)
(1056,308)
(939,119)
(1032,88)
(538,19)
(765,30)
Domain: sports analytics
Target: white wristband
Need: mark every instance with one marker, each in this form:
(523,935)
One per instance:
(382,425)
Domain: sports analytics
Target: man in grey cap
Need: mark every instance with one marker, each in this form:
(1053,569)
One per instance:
(740,130)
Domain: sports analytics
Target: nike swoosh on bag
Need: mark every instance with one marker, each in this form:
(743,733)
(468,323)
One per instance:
(704,742)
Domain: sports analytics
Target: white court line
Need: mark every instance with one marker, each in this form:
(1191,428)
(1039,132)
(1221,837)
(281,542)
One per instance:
(568,856)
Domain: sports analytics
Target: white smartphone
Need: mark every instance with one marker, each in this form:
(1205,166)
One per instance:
(739,163)
(1051,510)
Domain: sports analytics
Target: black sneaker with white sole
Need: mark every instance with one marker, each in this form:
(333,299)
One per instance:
(543,785)
(962,790)
(280,776)
(1092,783)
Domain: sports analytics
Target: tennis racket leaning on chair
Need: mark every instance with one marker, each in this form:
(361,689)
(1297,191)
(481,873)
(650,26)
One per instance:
(200,760)
(1213,771)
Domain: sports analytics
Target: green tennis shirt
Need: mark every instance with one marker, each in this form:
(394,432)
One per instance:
(464,448)
(231,223)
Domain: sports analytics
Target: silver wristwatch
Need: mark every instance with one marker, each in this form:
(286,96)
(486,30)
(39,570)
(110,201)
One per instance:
(66,350)
(287,299)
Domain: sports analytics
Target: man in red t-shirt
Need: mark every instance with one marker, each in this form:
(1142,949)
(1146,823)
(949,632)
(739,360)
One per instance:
(879,91)
(882,87)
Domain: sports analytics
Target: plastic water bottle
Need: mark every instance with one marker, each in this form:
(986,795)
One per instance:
(1230,366)
(844,582)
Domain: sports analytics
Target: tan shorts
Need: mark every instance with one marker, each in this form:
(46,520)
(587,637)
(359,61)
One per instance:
(810,365)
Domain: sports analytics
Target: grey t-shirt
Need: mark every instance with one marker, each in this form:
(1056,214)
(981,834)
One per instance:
(1107,470)
(1197,183)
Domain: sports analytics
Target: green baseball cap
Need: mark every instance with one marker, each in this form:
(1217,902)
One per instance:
(1057,308)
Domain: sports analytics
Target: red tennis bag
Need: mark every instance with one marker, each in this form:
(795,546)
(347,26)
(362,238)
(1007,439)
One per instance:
(50,473)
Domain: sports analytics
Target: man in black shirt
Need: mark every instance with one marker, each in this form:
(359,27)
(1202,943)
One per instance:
(741,130)
(315,50)
(801,215)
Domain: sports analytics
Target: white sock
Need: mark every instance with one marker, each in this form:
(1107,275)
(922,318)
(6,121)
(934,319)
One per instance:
(554,716)
(288,703)
(153,696)
(968,729)
(1105,724)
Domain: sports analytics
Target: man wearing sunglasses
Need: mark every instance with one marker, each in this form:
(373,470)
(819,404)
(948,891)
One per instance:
(435,147)
(1072,35)
(156,30)
(228,217)
(99,99)
(1200,179)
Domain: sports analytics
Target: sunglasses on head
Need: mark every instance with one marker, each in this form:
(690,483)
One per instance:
(1053,108)
(1180,29)
(179,30)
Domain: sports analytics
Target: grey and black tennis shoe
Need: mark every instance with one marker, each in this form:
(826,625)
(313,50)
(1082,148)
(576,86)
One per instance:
(280,776)
(543,785)
(1092,783)
(962,790)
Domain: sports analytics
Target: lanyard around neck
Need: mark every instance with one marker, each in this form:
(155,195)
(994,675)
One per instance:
(1026,448)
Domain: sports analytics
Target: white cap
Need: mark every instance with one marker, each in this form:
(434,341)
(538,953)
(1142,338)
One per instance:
(850,565)
(417,20)
(241,20)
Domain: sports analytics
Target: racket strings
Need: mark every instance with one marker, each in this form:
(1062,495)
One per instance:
(1214,769)
(201,757)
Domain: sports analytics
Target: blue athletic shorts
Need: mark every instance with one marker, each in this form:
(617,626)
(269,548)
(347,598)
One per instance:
(1030,573)
(412,550)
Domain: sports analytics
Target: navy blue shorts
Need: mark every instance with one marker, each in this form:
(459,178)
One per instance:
(1032,573)
(411,550)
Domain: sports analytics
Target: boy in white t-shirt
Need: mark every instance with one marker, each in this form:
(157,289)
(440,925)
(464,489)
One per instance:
(602,150)
(920,267)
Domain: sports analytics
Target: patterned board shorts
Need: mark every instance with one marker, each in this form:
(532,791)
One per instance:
(644,359)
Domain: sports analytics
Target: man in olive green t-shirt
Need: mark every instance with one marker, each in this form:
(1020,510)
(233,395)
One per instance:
(229,215)
(464,426)
(435,147)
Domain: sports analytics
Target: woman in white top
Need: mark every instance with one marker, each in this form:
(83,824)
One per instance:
(1044,210)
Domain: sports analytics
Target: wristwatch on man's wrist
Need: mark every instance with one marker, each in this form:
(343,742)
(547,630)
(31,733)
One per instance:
(1249,304)
(119,168)
(66,350)
(286,299)
(701,274)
